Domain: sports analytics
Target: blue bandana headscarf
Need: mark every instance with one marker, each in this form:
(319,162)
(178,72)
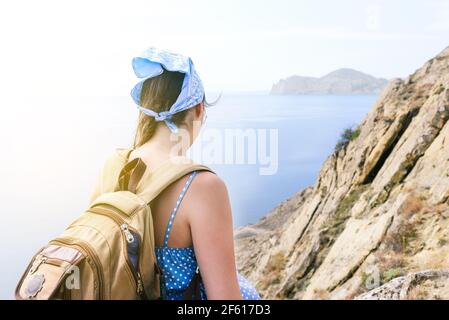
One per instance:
(149,64)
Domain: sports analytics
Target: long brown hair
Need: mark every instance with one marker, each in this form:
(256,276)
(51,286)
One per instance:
(158,94)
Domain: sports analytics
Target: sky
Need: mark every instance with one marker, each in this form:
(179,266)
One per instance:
(84,48)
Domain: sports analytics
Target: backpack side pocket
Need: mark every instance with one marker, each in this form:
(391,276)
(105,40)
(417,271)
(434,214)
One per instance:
(52,270)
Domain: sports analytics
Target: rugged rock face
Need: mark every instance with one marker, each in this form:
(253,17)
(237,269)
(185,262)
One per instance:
(428,284)
(378,210)
(341,81)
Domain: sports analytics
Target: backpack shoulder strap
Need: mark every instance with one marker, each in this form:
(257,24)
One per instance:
(108,176)
(130,175)
(154,182)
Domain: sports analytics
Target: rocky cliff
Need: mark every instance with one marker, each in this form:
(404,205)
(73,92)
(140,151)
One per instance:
(378,211)
(341,81)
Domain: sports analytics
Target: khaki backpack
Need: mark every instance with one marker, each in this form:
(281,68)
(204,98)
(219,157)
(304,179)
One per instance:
(109,251)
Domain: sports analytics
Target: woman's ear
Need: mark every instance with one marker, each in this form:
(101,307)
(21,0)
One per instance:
(199,111)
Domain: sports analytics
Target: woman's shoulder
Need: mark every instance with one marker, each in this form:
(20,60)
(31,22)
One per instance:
(208,181)
(208,206)
(208,191)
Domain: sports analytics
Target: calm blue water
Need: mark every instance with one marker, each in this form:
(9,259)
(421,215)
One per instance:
(53,149)
(308,129)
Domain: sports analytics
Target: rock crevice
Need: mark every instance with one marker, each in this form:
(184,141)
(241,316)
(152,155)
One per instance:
(380,203)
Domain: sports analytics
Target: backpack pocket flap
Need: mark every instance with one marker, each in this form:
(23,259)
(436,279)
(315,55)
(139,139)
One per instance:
(67,254)
(47,272)
(125,201)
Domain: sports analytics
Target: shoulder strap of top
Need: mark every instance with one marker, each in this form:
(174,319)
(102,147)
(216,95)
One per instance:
(175,209)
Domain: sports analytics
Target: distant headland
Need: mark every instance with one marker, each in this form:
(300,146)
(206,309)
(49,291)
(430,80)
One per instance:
(341,81)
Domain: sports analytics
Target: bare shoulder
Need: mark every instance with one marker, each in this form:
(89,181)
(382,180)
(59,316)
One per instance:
(206,180)
(208,194)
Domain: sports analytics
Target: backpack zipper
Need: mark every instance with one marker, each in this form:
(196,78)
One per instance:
(42,259)
(37,263)
(128,234)
(84,246)
(128,237)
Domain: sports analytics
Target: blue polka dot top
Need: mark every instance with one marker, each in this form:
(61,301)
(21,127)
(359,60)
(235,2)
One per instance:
(179,265)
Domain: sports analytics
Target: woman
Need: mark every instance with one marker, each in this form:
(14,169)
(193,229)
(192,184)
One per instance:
(192,217)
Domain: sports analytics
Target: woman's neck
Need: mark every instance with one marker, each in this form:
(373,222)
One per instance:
(164,143)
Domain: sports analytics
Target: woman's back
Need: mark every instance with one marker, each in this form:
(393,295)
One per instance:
(163,205)
(193,226)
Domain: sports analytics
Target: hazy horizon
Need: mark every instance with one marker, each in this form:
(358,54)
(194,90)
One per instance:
(85,48)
